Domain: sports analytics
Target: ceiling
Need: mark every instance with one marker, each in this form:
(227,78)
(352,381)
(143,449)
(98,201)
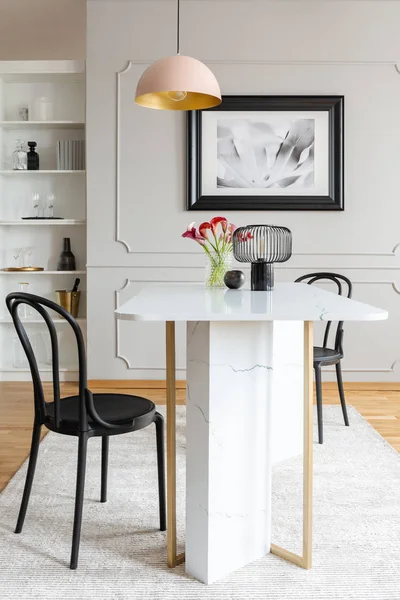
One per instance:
(42,29)
(55,29)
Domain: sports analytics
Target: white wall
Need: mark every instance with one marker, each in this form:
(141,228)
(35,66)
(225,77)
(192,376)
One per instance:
(286,47)
(42,29)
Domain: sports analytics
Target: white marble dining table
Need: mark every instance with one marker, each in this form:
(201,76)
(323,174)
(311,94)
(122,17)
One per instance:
(249,381)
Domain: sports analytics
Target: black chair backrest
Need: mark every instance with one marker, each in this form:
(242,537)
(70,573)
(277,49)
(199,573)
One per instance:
(339,280)
(13,301)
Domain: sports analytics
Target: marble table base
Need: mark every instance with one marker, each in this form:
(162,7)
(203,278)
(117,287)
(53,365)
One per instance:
(245,389)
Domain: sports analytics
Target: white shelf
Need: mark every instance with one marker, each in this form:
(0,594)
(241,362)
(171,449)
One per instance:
(21,82)
(42,124)
(26,273)
(49,222)
(42,70)
(8,321)
(41,172)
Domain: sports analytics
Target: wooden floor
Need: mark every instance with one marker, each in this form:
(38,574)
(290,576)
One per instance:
(381,407)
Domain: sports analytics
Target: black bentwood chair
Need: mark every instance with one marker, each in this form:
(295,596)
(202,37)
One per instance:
(85,415)
(324,357)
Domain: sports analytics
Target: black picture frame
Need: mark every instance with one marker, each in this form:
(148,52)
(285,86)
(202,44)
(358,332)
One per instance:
(334,105)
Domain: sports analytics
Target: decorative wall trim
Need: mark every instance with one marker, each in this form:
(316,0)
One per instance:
(117,160)
(281,267)
(391,369)
(393,284)
(261,62)
(245,266)
(152,384)
(233,1)
(118,354)
(117,324)
(160,384)
(146,62)
(176,253)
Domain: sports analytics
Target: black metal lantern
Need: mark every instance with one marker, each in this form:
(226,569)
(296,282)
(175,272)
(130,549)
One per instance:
(262,246)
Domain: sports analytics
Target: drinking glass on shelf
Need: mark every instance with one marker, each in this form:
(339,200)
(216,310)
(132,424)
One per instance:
(21,255)
(18,258)
(26,253)
(50,205)
(19,359)
(35,204)
(24,309)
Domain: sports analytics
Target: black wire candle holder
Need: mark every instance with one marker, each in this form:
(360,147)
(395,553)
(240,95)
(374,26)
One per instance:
(262,246)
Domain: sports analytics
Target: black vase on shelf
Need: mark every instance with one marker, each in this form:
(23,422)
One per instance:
(66,262)
(32,157)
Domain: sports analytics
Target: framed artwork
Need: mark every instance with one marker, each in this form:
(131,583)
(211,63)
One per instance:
(266,153)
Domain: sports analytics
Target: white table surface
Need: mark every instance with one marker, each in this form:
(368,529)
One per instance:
(287,302)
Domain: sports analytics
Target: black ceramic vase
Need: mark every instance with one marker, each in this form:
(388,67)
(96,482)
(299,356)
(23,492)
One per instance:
(66,262)
(234,279)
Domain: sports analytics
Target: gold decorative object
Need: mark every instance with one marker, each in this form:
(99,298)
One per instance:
(19,269)
(69,300)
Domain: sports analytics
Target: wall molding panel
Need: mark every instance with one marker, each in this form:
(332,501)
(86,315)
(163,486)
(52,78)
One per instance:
(118,159)
(118,324)
(252,62)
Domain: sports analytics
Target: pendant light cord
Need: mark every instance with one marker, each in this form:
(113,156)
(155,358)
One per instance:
(178,27)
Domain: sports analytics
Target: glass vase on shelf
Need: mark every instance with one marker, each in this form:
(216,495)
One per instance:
(217,264)
(43,109)
(20,157)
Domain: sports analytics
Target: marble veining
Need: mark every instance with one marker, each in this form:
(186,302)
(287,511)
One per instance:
(192,333)
(225,515)
(202,413)
(234,369)
(251,368)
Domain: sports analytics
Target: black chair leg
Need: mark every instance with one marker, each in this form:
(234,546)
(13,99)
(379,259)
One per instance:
(29,476)
(159,421)
(104,467)
(341,393)
(80,488)
(318,385)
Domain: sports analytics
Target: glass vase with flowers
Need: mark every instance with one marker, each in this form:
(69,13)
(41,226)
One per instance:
(215,237)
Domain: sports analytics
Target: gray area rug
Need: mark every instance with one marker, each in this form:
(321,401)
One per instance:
(122,556)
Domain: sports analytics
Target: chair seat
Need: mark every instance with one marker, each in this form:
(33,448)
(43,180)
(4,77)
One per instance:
(130,412)
(326,356)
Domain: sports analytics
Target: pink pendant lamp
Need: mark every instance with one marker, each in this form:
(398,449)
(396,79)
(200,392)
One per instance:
(178,83)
